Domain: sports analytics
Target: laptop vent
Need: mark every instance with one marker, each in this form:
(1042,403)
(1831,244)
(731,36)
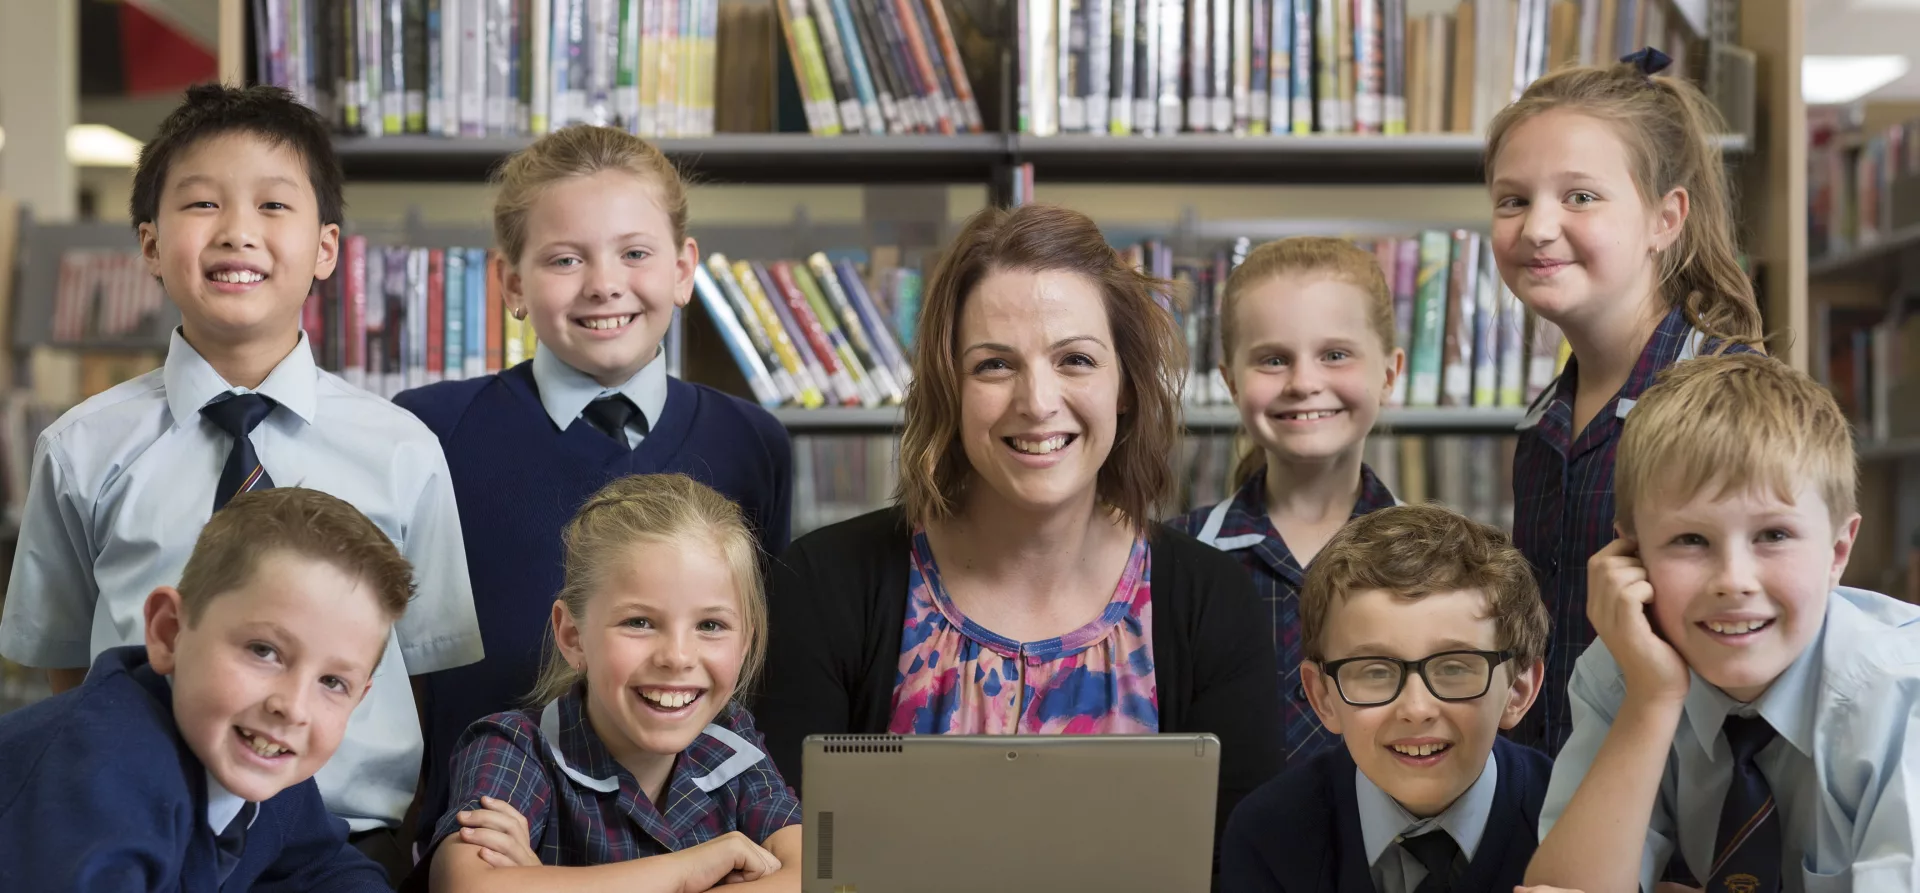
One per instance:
(863,743)
(823,860)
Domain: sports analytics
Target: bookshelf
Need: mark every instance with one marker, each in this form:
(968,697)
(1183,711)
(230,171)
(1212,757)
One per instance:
(1767,156)
(1876,261)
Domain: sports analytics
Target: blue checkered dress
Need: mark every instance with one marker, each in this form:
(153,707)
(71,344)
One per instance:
(582,808)
(1563,508)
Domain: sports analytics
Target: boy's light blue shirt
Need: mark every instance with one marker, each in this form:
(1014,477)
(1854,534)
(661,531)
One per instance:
(566,391)
(1383,822)
(1845,770)
(122,484)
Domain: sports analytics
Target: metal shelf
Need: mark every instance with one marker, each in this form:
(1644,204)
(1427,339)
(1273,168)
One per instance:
(1866,262)
(980,157)
(735,157)
(1199,420)
(1893,448)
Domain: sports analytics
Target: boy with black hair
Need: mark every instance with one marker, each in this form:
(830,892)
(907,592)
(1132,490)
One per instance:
(237,204)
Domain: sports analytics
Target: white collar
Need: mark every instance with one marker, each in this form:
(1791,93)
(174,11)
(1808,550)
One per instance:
(566,391)
(192,383)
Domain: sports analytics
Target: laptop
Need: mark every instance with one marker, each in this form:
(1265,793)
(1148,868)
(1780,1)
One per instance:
(1008,814)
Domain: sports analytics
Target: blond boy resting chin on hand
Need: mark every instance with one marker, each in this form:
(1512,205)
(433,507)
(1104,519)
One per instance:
(1744,721)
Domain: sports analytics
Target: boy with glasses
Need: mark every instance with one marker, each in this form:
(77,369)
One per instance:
(1423,634)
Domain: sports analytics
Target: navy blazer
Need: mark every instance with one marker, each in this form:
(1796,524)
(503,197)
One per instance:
(1300,833)
(99,792)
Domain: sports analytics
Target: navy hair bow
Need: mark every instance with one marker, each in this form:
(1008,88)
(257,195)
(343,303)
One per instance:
(1649,60)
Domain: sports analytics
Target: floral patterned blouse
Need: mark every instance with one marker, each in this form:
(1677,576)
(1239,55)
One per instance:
(959,678)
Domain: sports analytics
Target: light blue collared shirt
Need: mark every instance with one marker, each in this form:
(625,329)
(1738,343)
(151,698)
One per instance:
(1384,822)
(1844,770)
(122,484)
(223,806)
(566,391)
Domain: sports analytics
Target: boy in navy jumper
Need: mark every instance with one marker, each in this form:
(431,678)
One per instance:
(1423,633)
(187,764)
(1744,720)
(591,225)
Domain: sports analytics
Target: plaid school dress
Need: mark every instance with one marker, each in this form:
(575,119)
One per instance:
(583,808)
(1240,527)
(1563,507)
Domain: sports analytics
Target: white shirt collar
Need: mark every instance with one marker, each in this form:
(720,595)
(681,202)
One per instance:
(566,391)
(1383,821)
(192,383)
(224,805)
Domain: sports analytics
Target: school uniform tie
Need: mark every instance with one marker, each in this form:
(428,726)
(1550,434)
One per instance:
(612,414)
(1746,852)
(238,416)
(230,843)
(1435,851)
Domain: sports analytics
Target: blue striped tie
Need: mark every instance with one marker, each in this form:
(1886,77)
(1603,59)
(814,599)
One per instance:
(1746,852)
(238,416)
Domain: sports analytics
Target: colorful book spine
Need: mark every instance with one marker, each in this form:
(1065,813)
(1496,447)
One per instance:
(864,349)
(455,305)
(436,365)
(760,287)
(776,354)
(736,339)
(1430,320)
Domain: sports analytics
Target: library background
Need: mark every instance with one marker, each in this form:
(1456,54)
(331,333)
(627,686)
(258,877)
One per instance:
(836,145)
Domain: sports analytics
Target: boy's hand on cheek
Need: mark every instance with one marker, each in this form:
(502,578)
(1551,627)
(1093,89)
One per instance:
(1619,598)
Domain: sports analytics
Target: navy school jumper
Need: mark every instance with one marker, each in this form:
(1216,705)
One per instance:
(1300,833)
(518,481)
(99,792)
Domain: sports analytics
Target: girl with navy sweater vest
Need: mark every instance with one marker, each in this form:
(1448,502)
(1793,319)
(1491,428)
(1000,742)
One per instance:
(590,225)
(1307,330)
(634,767)
(1611,220)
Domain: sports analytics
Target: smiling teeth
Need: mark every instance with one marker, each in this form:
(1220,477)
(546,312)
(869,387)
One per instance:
(236,277)
(1315,415)
(672,700)
(1040,447)
(1418,750)
(1737,627)
(262,746)
(610,322)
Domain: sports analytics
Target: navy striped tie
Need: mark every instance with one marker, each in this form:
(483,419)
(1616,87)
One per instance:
(1746,852)
(238,416)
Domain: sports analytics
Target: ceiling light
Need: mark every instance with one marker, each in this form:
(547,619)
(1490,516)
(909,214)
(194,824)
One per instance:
(1829,80)
(96,145)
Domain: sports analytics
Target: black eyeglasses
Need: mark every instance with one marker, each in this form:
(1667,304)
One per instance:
(1450,676)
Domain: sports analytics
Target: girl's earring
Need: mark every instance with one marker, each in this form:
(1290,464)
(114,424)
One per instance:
(519,313)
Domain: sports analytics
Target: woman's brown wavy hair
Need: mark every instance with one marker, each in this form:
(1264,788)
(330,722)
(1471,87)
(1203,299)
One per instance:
(934,471)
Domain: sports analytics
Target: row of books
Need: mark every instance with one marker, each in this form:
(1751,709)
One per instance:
(1469,340)
(103,293)
(1872,361)
(878,66)
(473,68)
(836,478)
(1861,187)
(1307,66)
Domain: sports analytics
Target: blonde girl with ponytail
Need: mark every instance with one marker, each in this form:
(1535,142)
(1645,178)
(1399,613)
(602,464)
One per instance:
(1613,220)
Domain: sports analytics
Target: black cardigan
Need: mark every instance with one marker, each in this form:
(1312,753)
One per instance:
(837,605)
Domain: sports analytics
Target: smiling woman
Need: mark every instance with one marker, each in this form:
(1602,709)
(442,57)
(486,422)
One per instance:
(1020,585)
